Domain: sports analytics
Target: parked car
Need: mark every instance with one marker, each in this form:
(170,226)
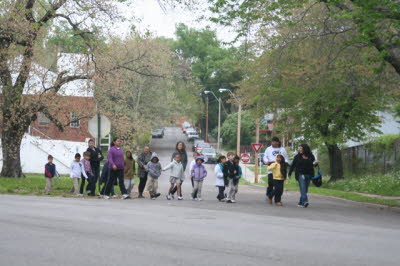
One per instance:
(200,146)
(190,130)
(196,141)
(192,136)
(211,154)
(157,133)
(185,126)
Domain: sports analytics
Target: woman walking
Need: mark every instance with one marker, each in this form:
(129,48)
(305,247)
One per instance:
(143,159)
(117,165)
(180,149)
(129,172)
(303,165)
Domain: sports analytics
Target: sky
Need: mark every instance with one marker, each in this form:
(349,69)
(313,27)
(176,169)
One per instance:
(147,14)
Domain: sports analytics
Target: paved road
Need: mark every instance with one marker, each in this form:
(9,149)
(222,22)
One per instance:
(75,231)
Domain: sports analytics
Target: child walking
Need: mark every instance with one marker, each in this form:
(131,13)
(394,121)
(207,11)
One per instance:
(177,176)
(154,172)
(77,172)
(198,174)
(219,178)
(279,171)
(89,175)
(49,173)
(232,172)
(129,172)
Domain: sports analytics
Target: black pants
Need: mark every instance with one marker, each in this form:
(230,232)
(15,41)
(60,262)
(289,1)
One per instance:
(270,184)
(221,194)
(142,183)
(115,175)
(277,190)
(89,185)
(96,174)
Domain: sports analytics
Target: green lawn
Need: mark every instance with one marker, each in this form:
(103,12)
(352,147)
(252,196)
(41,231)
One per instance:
(34,184)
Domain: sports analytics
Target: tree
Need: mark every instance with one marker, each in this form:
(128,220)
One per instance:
(324,87)
(229,129)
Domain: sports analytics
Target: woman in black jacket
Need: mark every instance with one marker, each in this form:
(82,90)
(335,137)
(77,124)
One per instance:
(303,166)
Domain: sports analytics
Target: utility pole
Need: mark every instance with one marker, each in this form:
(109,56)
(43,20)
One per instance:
(219,124)
(238,129)
(256,154)
(206,120)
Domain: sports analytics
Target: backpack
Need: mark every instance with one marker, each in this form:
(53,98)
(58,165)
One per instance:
(317,180)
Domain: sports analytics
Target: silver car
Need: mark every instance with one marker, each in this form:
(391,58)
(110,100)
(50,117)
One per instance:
(211,155)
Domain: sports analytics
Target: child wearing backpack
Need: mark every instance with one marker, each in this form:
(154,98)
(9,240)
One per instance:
(177,175)
(279,173)
(219,178)
(198,174)
(154,171)
(49,173)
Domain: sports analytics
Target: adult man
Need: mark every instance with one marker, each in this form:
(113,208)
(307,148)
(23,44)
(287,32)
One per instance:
(269,157)
(95,158)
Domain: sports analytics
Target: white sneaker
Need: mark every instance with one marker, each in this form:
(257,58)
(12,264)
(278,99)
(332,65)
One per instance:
(233,201)
(125,196)
(180,198)
(80,195)
(192,198)
(106,197)
(168,197)
(199,199)
(114,196)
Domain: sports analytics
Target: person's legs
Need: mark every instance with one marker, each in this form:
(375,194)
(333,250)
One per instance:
(142,184)
(150,186)
(120,175)
(221,190)
(307,180)
(199,187)
(109,184)
(230,189)
(76,185)
(90,187)
(179,191)
(96,173)
(195,193)
(47,188)
(278,188)
(270,186)
(82,185)
(128,185)
(195,188)
(235,191)
(303,190)
(171,188)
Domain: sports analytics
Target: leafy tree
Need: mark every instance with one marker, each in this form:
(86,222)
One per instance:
(229,129)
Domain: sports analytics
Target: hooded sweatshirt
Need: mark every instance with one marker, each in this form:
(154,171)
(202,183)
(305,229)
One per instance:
(176,169)
(199,172)
(154,169)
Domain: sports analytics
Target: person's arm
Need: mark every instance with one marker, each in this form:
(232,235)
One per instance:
(134,166)
(141,161)
(110,158)
(265,157)
(192,172)
(205,172)
(101,158)
(83,171)
(293,166)
(272,166)
(168,166)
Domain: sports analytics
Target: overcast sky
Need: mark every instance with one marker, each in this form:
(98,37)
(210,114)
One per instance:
(149,15)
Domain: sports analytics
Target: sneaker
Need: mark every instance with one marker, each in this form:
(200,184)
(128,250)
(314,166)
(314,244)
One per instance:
(228,201)
(180,198)
(114,196)
(157,195)
(278,204)
(172,197)
(106,197)
(233,201)
(125,196)
(306,205)
(168,197)
(199,199)
(192,198)
(153,198)
(300,206)
(223,200)
(270,201)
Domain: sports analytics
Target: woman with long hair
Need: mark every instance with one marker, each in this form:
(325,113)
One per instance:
(143,159)
(303,166)
(116,165)
(180,148)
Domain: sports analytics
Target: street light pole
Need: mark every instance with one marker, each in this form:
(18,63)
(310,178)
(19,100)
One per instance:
(239,119)
(206,120)
(219,118)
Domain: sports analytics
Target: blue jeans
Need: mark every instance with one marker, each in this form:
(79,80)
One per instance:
(304,182)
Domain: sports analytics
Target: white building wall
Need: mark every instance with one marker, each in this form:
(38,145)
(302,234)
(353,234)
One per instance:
(34,152)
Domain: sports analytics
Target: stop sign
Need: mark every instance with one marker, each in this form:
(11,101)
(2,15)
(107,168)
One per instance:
(245,157)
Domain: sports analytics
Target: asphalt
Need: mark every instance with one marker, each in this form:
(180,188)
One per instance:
(80,231)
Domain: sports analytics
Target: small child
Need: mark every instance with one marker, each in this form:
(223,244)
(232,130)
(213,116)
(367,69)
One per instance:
(154,172)
(219,178)
(177,176)
(77,172)
(279,170)
(198,174)
(87,168)
(49,173)
(232,173)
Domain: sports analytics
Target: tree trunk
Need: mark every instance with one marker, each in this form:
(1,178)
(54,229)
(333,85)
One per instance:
(10,143)
(335,162)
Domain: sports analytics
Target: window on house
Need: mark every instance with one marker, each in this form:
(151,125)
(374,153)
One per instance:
(75,122)
(43,120)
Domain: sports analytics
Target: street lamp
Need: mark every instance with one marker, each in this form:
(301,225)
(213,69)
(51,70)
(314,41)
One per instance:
(219,118)
(221,90)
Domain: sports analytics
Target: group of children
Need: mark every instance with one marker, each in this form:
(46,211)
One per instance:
(227,175)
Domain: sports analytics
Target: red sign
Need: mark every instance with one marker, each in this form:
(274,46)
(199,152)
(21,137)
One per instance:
(256,146)
(245,157)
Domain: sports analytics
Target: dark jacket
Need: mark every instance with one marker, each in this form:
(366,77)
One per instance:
(184,158)
(105,173)
(50,170)
(302,166)
(142,161)
(94,159)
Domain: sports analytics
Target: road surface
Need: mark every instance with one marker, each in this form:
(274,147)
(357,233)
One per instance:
(76,231)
